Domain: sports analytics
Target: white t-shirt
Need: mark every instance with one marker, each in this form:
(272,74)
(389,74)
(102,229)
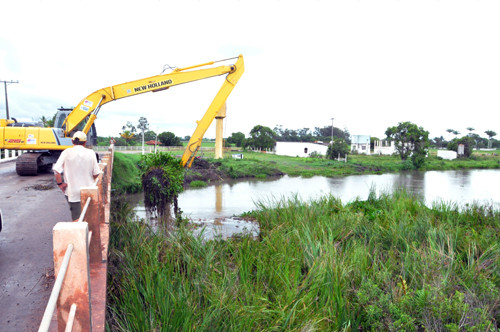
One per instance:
(79,166)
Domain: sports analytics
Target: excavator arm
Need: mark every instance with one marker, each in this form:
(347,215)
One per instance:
(89,107)
(216,105)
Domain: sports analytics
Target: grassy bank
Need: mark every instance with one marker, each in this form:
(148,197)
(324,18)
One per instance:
(262,165)
(388,263)
(363,164)
(126,173)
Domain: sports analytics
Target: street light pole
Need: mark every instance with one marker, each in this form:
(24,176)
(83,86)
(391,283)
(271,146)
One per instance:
(156,139)
(332,130)
(6,99)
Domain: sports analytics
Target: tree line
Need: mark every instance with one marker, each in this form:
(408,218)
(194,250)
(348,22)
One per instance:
(410,140)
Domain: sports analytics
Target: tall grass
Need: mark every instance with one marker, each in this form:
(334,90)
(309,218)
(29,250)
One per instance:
(387,263)
(126,177)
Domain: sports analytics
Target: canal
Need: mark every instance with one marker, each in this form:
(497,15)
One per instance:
(216,205)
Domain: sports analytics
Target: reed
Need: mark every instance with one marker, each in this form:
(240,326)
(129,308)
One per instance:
(387,263)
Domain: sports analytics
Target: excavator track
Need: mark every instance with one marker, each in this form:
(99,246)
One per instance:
(27,163)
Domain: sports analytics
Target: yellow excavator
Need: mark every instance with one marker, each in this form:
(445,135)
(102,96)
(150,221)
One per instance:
(44,145)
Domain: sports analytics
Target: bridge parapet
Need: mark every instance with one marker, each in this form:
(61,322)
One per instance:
(80,261)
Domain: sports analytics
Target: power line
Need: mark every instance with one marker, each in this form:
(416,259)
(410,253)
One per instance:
(6,99)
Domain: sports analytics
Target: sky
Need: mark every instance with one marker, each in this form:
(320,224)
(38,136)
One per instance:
(367,64)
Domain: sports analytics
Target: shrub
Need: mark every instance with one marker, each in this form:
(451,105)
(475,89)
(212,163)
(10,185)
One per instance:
(198,184)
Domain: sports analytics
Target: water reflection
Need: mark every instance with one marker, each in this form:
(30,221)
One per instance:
(234,198)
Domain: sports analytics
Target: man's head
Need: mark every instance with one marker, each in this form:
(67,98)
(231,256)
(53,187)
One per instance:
(79,138)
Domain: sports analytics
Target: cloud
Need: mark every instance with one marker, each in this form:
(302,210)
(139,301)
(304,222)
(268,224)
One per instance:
(367,64)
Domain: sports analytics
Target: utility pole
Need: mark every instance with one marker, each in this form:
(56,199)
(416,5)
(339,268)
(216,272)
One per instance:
(6,99)
(332,130)
(156,137)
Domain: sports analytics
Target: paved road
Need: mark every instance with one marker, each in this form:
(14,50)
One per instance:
(31,206)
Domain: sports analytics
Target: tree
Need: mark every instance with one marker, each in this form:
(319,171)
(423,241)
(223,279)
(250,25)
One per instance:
(128,136)
(130,127)
(236,139)
(128,132)
(292,135)
(143,124)
(149,136)
(48,121)
(120,141)
(453,132)
(169,139)
(325,134)
(439,142)
(261,137)
(468,143)
(490,134)
(339,147)
(410,141)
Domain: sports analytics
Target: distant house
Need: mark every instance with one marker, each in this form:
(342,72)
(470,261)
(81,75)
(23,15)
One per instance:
(447,154)
(384,147)
(299,149)
(360,144)
(153,142)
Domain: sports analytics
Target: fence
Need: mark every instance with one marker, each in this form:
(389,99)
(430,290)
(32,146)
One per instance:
(80,261)
(138,148)
(151,148)
(6,155)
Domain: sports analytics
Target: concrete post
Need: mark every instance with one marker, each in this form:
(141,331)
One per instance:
(76,284)
(100,186)
(219,131)
(103,188)
(93,218)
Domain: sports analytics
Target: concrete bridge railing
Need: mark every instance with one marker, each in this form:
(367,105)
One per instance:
(80,261)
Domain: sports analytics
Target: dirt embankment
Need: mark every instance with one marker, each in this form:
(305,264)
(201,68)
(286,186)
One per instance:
(203,170)
(210,171)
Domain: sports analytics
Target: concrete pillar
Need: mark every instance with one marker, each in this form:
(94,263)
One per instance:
(218,198)
(219,131)
(76,284)
(93,217)
(103,188)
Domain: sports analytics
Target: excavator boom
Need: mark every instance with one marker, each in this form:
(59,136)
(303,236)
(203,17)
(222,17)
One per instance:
(91,104)
(46,144)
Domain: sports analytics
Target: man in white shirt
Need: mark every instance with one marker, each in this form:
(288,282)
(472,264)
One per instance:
(79,167)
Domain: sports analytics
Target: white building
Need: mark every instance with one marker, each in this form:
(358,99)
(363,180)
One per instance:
(384,147)
(447,154)
(360,144)
(299,149)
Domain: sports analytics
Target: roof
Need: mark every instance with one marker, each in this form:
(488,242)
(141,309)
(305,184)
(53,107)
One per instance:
(360,139)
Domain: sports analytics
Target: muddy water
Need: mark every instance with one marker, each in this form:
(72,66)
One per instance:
(214,205)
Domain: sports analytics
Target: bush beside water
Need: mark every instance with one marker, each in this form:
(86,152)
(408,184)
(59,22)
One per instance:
(387,263)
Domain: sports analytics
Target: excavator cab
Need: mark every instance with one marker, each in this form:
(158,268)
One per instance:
(41,160)
(62,114)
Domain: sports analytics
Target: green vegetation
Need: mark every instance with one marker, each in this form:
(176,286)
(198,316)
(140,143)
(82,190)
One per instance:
(362,164)
(411,142)
(162,179)
(338,148)
(126,177)
(387,263)
(260,165)
(198,184)
(251,167)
